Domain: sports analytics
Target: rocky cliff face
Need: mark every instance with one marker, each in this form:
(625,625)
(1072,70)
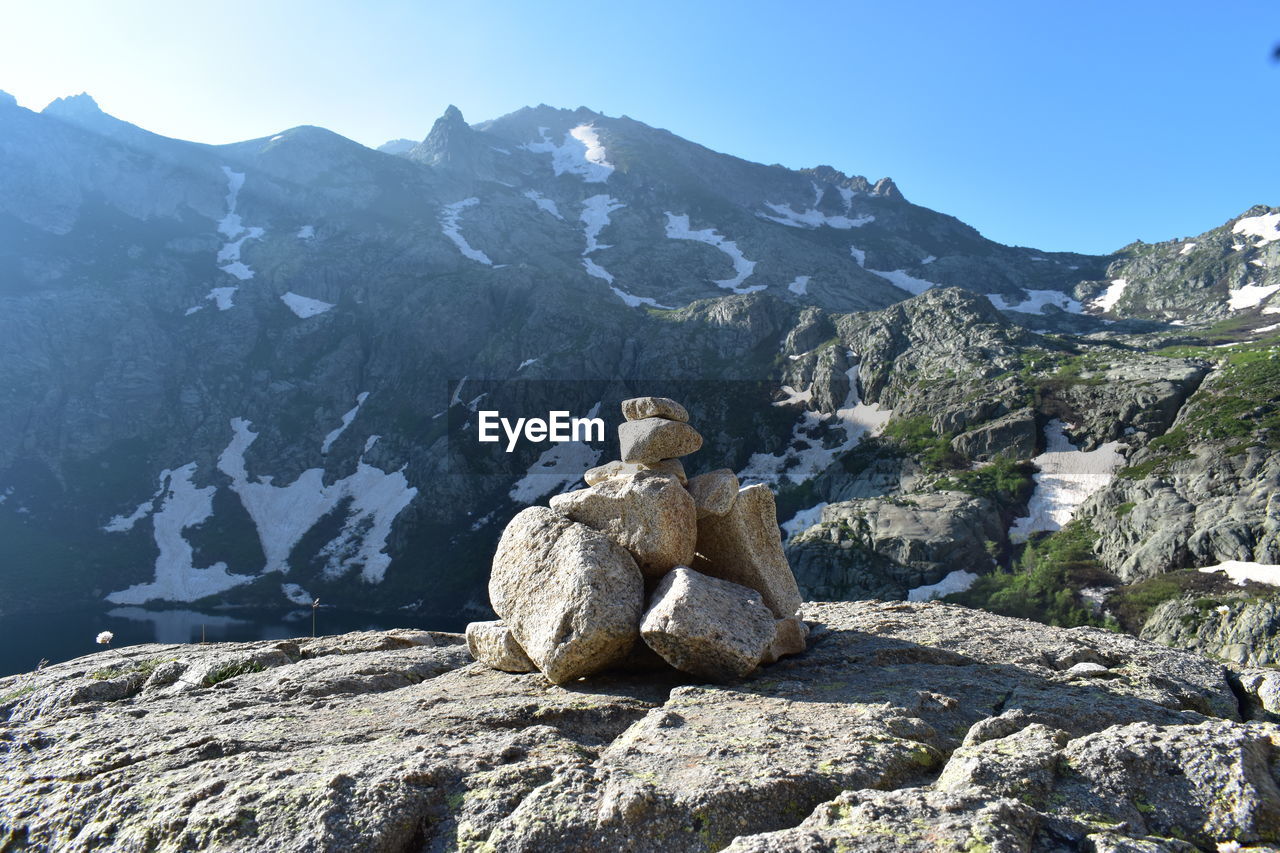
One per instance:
(909,724)
(1232,270)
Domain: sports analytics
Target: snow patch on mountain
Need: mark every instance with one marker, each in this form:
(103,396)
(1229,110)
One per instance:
(1067,476)
(678,229)
(449,216)
(859,255)
(1266,228)
(581,153)
(283,514)
(594,218)
(800,286)
(543,203)
(236,232)
(900,278)
(346,422)
(306,232)
(557,469)
(296,594)
(803,520)
(818,439)
(1242,572)
(304,306)
(1187,249)
(1250,296)
(594,269)
(223,297)
(1107,300)
(125,523)
(955,581)
(636,301)
(183,505)
(784,214)
(1037,300)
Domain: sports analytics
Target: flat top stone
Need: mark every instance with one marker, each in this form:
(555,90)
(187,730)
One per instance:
(639,408)
(654,439)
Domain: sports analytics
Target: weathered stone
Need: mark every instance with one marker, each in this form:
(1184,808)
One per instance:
(745,546)
(639,408)
(648,513)
(1012,436)
(1022,765)
(571,595)
(1242,629)
(714,492)
(369,743)
(914,820)
(885,547)
(1204,782)
(492,644)
(655,439)
(616,468)
(674,467)
(708,627)
(1260,688)
(790,637)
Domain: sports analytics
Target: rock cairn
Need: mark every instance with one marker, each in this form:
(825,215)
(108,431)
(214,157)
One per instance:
(644,560)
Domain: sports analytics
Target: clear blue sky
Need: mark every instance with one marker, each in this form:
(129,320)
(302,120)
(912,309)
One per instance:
(1078,125)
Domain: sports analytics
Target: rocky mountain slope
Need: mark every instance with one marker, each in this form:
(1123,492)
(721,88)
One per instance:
(248,375)
(904,726)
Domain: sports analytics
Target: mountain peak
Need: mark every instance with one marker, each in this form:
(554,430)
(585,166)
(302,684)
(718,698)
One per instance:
(451,142)
(887,188)
(397,146)
(73,106)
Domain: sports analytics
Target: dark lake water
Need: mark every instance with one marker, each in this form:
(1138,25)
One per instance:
(27,639)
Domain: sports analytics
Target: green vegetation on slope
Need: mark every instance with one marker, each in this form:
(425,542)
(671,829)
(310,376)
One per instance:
(1007,483)
(1043,584)
(915,436)
(1239,405)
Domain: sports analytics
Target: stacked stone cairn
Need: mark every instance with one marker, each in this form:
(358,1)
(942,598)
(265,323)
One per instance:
(643,566)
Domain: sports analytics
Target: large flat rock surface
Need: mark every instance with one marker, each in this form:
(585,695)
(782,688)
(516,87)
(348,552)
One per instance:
(904,726)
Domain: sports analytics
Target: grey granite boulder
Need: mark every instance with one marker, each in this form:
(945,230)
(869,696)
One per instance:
(654,439)
(614,468)
(492,644)
(674,467)
(790,637)
(714,492)
(744,546)
(649,514)
(618,468)
(571,595)
(707,627)
(639,408)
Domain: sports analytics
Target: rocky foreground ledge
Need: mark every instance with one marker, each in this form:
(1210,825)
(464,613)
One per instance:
(903,727)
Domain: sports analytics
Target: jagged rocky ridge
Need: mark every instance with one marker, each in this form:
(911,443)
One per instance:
(904,725)
(233,374)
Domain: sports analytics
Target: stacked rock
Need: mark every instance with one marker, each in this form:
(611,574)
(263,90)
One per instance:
(643,560)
